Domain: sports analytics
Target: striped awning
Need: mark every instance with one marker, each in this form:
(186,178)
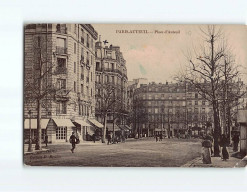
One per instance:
(96,123)
(43,122)
(124,127)
(83,123)
(110,127)
(63,122)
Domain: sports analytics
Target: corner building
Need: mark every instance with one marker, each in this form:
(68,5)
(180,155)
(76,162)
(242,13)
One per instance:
(69,49)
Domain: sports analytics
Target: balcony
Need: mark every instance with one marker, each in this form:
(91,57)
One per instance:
(60,70)
(61,50)
(82,60)
(62,95)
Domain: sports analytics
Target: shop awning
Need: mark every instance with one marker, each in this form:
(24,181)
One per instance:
(96,123)
(83,123)
(124,127)
(43,122)
(63,122)
(156,129)
(110,127)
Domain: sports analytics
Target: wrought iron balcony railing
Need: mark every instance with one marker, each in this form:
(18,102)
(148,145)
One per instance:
(60,70)
(61,50)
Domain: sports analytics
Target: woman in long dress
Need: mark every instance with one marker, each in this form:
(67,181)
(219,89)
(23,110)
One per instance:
(206,153)
(224,143)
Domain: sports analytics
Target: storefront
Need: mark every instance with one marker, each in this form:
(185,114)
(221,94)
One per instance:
(60,130)
(82,129)
(96,129)
(33,124)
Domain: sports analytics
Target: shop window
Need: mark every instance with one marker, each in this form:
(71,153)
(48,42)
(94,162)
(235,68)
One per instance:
(61,133)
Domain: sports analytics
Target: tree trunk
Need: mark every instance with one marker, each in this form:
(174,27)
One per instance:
(38,137)
(104,129)
(216,130)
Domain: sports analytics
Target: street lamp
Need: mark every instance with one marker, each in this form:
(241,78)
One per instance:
(30,131)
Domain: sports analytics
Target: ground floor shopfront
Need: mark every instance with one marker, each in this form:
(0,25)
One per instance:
(60,130)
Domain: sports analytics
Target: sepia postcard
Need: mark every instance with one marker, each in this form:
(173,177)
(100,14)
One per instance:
(135,95)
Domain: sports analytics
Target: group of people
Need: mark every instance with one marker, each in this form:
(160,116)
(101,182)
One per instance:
(115,139)
(159,137)
(207,147)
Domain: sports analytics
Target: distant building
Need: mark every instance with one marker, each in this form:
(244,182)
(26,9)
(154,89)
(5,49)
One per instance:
(69,50)
(169,108)
(111,70)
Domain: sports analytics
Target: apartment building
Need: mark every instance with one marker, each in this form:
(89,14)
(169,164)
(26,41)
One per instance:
(111,72)
(66,53)
(169,108)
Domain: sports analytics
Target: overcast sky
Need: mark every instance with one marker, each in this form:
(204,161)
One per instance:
(158,57)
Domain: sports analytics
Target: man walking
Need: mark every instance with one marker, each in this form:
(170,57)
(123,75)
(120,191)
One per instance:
(73,141)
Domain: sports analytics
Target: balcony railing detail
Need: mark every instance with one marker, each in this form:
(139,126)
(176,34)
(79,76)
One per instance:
(61,50)
(60,70)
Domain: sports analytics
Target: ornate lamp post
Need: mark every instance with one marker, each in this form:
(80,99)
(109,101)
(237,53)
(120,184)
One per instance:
(30,131)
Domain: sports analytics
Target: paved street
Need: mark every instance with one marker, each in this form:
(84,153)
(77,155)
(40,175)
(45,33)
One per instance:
(133,153)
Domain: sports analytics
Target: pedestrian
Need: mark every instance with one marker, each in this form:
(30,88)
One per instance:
(235,140)
(186,134)
(157,138)
(189,133)
(206,154)
(224,143)
(178,135)
(94,138)
(46,140)
(72,140)
(109,139)
(209,137)
(161,137)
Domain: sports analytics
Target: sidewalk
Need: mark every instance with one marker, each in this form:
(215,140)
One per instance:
(217,162)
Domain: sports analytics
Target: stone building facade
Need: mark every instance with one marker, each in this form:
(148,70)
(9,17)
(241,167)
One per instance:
(67,55)
(111,71)
(169,108)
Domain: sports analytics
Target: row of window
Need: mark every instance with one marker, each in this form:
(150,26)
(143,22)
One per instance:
(62,49)
(175,118)
(85,37)
(110,67)
(82,110)
(88,92)
(109,79)
(61,84)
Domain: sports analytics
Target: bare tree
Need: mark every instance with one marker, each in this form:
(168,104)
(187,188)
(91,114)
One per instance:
(211,70)
(108,101)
